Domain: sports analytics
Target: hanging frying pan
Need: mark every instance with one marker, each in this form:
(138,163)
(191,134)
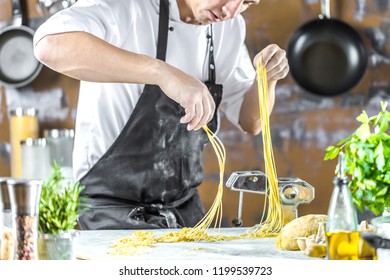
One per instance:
(18,65)
(327,56)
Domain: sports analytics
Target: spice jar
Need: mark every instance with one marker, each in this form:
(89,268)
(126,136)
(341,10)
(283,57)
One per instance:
(24,197)
(35,158)
(23,125)
(6,237)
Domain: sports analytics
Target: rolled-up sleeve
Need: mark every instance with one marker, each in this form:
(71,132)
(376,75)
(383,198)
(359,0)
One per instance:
(92,16)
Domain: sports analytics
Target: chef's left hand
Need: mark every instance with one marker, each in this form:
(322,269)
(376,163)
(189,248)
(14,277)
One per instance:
(275,61)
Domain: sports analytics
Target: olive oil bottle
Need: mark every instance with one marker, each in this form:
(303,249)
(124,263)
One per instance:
(342,235)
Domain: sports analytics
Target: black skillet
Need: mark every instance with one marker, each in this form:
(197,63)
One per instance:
(327,56)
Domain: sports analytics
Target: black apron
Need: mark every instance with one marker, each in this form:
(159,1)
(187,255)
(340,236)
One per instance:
(148,177)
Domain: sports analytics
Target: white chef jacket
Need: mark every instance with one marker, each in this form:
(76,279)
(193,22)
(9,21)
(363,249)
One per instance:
(104,108)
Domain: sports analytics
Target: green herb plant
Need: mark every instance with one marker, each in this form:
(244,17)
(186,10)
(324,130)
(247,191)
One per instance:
(367,161)
(60,203)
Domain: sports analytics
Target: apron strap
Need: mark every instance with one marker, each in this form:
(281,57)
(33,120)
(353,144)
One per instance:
(102,202)
(175,203)
(164,210)
(163,32)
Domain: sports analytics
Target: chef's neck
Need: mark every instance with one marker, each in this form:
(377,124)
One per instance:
(186,14)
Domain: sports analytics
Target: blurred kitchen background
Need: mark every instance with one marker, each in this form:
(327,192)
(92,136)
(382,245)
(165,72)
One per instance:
(303,123)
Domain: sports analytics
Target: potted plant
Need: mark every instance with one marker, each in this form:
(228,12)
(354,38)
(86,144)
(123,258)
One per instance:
(367,161)
(59,208)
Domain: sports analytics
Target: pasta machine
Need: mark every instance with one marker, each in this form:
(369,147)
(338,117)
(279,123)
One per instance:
(292,191)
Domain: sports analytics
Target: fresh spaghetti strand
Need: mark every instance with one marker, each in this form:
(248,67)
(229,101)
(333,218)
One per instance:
(138,243)
(215,212)
(142,241)
(199,231)
(274,220)
(269,226)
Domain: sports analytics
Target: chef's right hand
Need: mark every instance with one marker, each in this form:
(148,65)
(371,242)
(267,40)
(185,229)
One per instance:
(191,94)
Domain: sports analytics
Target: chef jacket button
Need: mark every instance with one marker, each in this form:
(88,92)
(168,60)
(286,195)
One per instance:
(171,28)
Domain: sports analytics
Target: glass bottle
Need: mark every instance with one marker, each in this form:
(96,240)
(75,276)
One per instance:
(342,233)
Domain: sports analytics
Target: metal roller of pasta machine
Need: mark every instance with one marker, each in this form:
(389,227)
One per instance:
(293,191)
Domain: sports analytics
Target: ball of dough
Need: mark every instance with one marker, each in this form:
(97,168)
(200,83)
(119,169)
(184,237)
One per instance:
(300,227)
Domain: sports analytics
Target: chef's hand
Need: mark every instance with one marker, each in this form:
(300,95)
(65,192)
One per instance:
(191,94)
(275,61)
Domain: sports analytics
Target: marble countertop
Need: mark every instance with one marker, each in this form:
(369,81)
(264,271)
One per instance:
(96,245)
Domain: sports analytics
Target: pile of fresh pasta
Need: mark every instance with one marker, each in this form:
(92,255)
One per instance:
(208,228)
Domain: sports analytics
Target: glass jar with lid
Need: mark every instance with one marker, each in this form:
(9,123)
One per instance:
(35,155)
(23,124)
(61,145)
(60,142)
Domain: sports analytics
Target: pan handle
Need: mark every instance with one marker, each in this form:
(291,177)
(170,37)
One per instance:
(325,9)
(17,14)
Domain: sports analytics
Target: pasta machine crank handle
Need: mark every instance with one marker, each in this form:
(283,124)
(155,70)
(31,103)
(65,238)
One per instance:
(237,222)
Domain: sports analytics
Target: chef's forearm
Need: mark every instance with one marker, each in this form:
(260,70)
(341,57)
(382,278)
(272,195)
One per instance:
(83,56)
(249,113)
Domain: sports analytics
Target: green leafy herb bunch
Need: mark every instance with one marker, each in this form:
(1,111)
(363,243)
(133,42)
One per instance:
(60,203)
(367,161)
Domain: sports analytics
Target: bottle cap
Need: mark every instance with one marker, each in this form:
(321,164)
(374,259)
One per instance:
(341,166)
(24,111)
(341,176)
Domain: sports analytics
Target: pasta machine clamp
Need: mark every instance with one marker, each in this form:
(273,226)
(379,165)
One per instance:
(292,191)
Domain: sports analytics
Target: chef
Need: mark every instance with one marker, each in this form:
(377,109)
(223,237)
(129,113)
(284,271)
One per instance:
(153,73)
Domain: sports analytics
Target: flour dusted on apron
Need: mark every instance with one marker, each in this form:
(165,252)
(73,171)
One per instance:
(148,177)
